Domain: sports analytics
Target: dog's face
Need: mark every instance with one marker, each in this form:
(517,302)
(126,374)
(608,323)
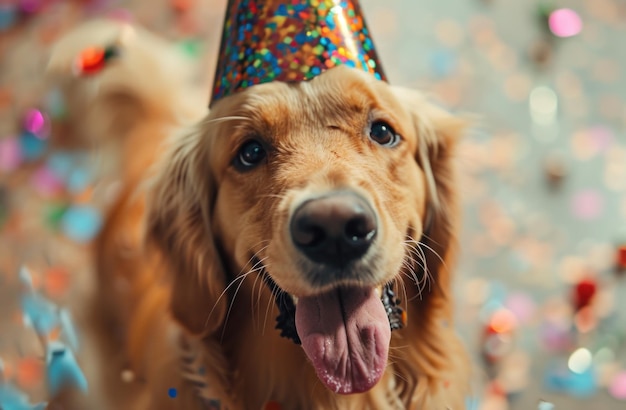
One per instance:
(325,186)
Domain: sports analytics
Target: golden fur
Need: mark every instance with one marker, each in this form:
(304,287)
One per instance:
(187,308)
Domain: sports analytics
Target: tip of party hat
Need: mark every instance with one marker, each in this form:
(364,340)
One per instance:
(291,41)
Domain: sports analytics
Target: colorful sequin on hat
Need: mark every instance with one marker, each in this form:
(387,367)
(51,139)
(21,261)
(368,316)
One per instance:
(293,40)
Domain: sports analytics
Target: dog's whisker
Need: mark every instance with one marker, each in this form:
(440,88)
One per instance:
(228,118)
(254,269)
(427,276)
(275,293)
(239,278)
(230,307)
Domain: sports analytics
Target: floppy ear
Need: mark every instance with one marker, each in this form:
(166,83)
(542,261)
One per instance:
(179,223)
(438,132)
(434,355)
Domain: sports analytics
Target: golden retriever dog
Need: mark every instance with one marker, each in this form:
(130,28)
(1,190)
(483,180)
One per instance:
(314,202)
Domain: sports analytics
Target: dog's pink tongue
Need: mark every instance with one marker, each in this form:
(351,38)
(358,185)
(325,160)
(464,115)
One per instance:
(345,333)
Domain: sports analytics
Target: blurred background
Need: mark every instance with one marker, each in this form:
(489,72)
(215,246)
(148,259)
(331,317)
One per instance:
(541,296)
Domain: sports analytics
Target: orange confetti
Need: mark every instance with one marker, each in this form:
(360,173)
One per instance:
(90,61)
(29,372)
(503,321)
(56,282)
(181,5)
(54,334)
(85,196)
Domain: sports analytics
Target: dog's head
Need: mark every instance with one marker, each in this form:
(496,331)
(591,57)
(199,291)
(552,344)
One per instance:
(324,186)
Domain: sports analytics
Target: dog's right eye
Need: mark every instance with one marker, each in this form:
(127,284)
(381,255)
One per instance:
(249,155)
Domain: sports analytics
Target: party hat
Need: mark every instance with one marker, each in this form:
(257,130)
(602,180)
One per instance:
(290,40)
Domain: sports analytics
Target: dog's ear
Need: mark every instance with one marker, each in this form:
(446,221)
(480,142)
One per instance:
(432,346)
(438,132)
(179,223)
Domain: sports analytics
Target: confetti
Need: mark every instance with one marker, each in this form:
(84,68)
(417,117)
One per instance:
(10,154)
(31,146)
(35,123)
(587,204)
(13,399)
(544,405)
(617,389)
(172,392)
(565,23)
(92,60)
(543,103)
(8,16)
(81,223)
(63,371)
(580,361)
(39,313)
(46,182)
(29,372)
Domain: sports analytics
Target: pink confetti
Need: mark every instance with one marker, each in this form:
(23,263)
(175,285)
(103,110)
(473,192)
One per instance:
(602,137)
(121,15)
(587,204)
(565,23)
(618,386)
(10,154)
(35,123)
(521,305)
(46,182)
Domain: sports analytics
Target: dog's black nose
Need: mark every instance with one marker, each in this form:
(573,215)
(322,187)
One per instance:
(334,229)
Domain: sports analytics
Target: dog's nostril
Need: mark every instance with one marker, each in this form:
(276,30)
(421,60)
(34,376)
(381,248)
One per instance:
(360,228)
(308,234)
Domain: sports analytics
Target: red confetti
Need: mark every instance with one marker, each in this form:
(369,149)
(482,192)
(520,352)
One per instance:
(90,61)
(584,292)
(621,257)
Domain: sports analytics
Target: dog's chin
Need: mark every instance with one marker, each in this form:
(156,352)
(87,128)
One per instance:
(345,334)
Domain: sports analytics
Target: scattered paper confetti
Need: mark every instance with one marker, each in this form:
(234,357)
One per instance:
(81,223)
(63,370)
(565,23)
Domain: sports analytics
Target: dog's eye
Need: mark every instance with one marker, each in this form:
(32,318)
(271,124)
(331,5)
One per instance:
(382,134)
(249,155)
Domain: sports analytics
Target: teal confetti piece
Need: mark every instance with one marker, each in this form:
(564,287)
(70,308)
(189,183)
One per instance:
(67,326)
(81,223)
(11,398)
(39,313)
(63,371)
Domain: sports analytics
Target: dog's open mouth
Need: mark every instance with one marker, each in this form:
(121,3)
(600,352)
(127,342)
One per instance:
(344,332)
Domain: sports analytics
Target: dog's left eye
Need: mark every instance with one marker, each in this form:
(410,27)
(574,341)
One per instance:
(382,134)
(249,155)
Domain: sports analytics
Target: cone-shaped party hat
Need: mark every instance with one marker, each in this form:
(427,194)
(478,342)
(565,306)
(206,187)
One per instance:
(290,40)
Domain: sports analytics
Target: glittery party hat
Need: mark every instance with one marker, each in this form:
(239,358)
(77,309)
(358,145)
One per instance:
(290,40)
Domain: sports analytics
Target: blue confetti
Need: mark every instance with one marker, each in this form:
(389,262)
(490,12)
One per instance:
(81,223)
(443,62)
(560,379)
(32,146)
(13,399)
(78,180)
(471,403)
(39,313)
(61,163)
(69,331)
(172,392)
(63,370)
(8,16)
